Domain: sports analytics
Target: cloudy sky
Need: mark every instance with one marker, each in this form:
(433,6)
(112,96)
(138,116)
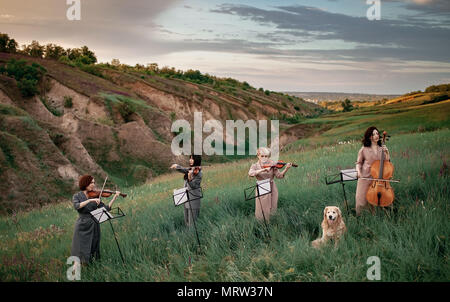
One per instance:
(302,45)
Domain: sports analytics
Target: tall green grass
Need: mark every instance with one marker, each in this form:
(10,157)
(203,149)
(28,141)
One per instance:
(412,242)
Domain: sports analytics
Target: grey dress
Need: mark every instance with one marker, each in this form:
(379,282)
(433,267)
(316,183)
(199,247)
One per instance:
(194,190)
(86,236)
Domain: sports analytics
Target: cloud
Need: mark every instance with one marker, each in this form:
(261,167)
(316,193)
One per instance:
(392,38)
(106,26)
(426,7)
(285,46)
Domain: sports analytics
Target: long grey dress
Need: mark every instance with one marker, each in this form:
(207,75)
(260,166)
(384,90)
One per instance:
(86,236)
(195,190)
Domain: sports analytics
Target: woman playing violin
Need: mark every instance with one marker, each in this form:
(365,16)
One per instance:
(86,236)
(192,180)
(370,152)
(266,205)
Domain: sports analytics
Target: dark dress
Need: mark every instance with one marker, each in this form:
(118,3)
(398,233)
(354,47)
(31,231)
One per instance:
(195,190)
(86,236)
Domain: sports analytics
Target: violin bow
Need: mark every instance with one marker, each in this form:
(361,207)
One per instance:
(101,192)
(378,179)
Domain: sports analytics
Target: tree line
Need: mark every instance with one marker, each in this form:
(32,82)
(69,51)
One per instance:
(50,51)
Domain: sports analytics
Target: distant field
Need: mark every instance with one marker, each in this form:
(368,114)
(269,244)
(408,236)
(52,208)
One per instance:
(412,244)
(395,118)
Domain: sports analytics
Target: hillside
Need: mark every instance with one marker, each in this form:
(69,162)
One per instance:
(108,121)
(426,97)
(426,113)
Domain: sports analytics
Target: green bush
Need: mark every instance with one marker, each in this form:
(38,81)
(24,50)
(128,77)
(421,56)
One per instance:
(437,98)
(347,105)
(68,103)
(28,77)
(126,109)
(66,60)
(92,69)
(28,87)
(53,110)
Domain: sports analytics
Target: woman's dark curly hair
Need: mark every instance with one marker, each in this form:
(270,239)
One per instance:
(367,142)
(85,181)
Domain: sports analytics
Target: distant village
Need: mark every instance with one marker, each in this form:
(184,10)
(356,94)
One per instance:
(316,97)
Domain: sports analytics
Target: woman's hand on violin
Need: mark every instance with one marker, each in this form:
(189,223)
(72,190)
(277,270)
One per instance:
(385,148)
(117,194)
(288,165)
(173,166)
(190,175)
(265,169)
(96,200)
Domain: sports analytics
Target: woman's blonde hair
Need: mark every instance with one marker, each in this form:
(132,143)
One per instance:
(263,151)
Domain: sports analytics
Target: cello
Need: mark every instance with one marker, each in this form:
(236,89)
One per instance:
(380,192)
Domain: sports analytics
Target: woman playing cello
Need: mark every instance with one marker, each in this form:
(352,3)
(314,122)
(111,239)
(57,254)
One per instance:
(370,152)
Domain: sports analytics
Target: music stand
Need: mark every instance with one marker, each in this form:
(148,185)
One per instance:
(262,187)
(341,177)
(101,215)
(183,195)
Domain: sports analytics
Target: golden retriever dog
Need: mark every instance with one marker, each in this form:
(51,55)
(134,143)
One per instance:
(333,227)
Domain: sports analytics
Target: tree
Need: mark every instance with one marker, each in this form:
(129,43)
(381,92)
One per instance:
(4,39)
(347,105)
(34,49)
(53,51)
(153,67)
(89,55)
(12,45)
(81,55)
(139,67)
(115,62)
(7,44)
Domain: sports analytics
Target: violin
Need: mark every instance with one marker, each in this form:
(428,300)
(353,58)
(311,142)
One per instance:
(279,164)
(380,192)
(195,170)
(105,193)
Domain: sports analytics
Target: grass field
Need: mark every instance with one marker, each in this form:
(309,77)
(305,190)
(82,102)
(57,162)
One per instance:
(412,243)
(396,118)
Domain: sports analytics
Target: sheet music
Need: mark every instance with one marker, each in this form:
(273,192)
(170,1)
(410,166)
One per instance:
(101,214)
(179,196)
(349,174)
(264,186)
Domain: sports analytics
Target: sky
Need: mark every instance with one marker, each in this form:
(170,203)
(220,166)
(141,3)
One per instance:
(303,45)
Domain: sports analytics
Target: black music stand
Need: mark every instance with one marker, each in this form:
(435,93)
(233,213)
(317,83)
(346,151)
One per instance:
(101,215)
(341,177)
(183,195)
(262,187)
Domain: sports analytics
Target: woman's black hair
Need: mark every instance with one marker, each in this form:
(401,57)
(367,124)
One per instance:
(197,163)
(197,160)
(367,142)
